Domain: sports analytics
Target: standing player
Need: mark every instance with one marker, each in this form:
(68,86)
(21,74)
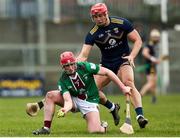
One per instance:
(151,60)
(78,92)
(111,35)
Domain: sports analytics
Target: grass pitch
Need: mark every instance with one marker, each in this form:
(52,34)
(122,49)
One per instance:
(164,119)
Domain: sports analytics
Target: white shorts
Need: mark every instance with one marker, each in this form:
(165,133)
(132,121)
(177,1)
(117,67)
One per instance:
(84,106)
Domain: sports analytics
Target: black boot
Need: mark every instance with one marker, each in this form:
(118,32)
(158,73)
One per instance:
(115,114)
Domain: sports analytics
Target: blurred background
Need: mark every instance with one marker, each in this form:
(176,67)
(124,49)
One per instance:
(34,32)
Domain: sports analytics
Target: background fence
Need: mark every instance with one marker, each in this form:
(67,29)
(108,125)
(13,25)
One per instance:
(34,32)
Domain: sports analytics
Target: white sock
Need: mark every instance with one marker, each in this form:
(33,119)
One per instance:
(112,108)
(137,117)
(46,128)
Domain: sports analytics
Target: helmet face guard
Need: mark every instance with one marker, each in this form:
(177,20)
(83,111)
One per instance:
(99,8)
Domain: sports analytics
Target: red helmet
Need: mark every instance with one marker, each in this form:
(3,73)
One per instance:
(98,8)
(67,58)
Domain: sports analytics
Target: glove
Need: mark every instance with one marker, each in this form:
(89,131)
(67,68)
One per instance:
(60,113)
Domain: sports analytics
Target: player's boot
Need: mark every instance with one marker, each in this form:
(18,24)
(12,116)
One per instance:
(154,99)
(105,125)
(142,121)
(115,114)
(41,131)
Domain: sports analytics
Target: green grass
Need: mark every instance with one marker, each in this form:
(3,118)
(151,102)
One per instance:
(164,119)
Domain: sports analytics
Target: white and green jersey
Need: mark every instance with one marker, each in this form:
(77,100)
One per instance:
(82,84)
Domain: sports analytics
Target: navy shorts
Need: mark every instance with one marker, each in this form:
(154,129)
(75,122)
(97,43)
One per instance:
(115,66)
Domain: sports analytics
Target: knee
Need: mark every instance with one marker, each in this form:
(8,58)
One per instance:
(151,84)
(153,87)
(49,95)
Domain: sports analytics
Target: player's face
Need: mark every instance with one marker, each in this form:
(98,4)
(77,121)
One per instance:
(155,39)
(70,68)
(100,19)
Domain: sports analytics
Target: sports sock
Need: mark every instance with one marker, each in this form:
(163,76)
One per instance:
(47,124)
(109,105)
(41,104)
(139,111)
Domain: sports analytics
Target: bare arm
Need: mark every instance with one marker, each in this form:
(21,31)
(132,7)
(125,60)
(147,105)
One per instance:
(112,76)
(83,56)
(147,55)
(136,39)
(67,102)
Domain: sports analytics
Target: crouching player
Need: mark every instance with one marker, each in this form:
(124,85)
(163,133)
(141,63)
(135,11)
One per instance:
(78,92)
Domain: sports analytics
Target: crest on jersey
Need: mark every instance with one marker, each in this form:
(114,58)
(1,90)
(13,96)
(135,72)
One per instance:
(92,65)
(116,30)
(112,41)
